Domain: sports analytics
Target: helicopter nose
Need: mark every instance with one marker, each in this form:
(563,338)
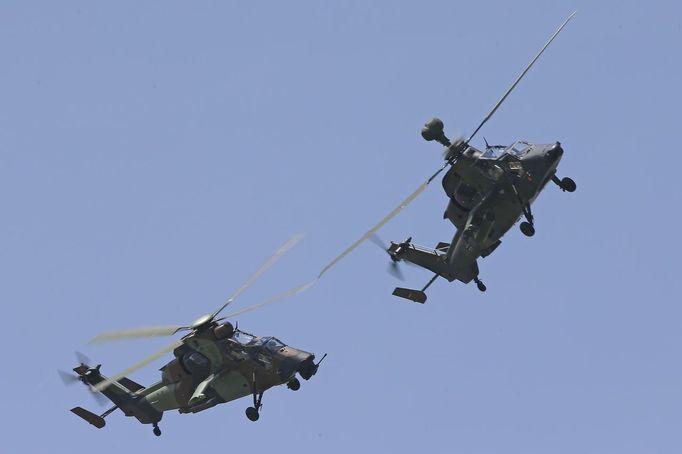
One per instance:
(308,368)
(554,152)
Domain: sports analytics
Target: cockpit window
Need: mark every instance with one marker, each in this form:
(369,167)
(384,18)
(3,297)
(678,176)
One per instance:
(242,337)
(271,343)
(518,149)
(493,152)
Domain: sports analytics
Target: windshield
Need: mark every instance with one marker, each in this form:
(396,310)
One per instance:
(518,149)
(242,337)
(274,344)
(271,343)
(493,152)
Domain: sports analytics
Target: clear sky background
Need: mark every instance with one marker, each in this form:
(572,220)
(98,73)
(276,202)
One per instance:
(153,154)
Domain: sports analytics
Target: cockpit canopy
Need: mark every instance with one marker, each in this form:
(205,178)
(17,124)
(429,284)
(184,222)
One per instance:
(271,343)
(517,149)
(242,337)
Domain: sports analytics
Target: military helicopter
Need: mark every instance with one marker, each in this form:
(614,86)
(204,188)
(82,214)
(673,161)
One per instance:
(489,192)
(213,364)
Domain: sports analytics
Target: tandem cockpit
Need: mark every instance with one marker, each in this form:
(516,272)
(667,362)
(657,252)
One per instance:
(518,149)
(271,343)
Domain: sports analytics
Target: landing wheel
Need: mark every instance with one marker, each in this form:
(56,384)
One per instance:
(567,184)
(527,228)
(157,431)
(481,286)
(294,384)
(252,414)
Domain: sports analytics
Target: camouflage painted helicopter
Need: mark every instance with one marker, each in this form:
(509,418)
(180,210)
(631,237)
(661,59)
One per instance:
(489,192)
(214,363)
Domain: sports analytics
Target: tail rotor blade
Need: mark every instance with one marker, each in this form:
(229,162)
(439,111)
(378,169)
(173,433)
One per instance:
(68,378)
(395,271)
(376,239)
(82,358)
(393,267)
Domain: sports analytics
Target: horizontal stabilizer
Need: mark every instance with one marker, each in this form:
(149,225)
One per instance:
(131,385)
(413,295)
(90,417)
(442,246)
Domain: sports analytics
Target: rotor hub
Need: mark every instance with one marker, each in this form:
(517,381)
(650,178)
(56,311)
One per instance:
(201,321)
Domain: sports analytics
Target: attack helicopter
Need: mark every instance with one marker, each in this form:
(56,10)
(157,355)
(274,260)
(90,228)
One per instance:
(214,363)
(489,191)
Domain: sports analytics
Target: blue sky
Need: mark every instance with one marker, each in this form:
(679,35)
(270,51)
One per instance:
(153,154)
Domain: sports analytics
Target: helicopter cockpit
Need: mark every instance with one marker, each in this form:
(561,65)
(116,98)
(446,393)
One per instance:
(517,149)
(242,337)
(271,343)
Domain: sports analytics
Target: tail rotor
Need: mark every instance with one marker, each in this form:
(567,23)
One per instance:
(393,266)
(80,374)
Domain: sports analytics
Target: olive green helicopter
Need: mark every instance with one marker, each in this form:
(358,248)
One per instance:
(214,363)
(488,190)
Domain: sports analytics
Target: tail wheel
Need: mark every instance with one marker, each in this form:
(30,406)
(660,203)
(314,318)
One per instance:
(252,414)
(294,384)
(527,229)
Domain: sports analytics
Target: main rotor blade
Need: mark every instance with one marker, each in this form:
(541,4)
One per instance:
(102,385)
(518,79)
(271,261)
(385,220)
(280,296)
(381,223)
(135,333)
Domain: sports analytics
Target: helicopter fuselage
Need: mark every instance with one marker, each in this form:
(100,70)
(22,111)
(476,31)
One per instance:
(488,191)
(207,372)
(210,367)
(487,197)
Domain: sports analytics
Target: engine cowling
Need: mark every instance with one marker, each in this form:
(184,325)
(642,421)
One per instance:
(224,331)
